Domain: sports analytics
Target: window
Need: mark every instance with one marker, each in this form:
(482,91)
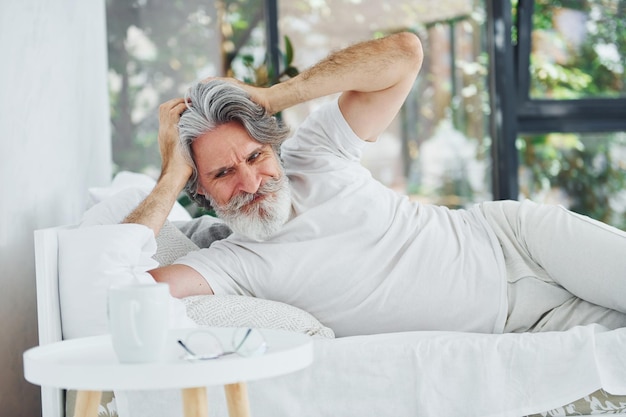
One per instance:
(563,124)
(571,56)
(578,50)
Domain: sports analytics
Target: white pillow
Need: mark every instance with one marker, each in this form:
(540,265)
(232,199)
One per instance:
(141,185)
(114,208)
(91,259)
(172,244)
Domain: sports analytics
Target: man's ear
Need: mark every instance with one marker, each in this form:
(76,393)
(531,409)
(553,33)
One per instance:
(200,190)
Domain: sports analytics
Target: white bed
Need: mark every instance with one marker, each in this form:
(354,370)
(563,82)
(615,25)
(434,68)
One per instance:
(403,374)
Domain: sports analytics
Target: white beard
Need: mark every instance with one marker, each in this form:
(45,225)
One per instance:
(258,220)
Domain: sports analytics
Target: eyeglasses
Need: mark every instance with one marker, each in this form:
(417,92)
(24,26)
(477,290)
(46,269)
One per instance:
(204,345)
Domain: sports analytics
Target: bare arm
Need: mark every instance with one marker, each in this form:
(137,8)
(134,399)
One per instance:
(183,280)
(153,211)
(175,171)
(375,78)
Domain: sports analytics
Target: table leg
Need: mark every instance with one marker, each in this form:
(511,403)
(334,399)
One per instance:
(87,403)
(195,402)
(237,399)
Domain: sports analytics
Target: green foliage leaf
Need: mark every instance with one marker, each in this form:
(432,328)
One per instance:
(288,52)
(291,71)
(248,60)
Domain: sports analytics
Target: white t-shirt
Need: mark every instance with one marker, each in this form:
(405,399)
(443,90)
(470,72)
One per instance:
(360,257)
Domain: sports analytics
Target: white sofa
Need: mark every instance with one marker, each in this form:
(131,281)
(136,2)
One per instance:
(401,374)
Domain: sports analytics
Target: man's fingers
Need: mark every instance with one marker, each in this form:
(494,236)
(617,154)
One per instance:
(172,109)
(179,109)
(171,103)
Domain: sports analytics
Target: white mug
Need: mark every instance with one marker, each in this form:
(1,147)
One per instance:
(138,321)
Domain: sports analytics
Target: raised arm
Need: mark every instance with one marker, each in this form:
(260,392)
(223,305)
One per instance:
(153,211)
(175,171)
(375,78)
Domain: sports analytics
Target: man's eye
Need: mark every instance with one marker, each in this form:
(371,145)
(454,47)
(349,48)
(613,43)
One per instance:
(222,174)
(254,156)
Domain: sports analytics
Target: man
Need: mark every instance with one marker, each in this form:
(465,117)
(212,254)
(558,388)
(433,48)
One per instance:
(322,235)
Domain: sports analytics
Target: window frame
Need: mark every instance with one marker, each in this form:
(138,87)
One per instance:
(503,93)
(543,115)
(514,112)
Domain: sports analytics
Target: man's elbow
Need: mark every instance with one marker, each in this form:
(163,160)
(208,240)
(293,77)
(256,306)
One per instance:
(411,46)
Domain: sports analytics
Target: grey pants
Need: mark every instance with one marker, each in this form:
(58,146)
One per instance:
(563,269)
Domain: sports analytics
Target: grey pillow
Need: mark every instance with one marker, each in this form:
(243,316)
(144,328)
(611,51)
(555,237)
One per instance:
(172,244)
(243,311)
(178,238)
(204,230)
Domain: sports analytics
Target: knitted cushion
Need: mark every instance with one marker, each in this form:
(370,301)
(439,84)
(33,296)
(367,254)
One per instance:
(243,311)
(172,244)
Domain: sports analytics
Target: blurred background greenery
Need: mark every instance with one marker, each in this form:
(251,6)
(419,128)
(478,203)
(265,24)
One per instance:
(439,148)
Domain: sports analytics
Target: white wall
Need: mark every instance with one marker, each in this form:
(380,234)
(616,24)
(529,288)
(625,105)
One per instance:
(54,144)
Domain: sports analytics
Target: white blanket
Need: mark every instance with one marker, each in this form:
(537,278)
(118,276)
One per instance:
(429,374)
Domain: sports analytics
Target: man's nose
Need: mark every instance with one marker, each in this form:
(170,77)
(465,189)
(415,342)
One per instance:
(249,180)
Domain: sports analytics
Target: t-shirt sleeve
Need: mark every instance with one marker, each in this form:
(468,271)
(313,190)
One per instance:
(326,131)
(219,267)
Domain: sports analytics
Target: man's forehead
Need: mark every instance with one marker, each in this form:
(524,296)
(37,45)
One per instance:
(220,149)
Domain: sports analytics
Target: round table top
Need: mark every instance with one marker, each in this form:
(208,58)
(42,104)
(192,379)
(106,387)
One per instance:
(91,364)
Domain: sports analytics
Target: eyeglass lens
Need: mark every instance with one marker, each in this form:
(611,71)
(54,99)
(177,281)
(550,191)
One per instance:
(203,344)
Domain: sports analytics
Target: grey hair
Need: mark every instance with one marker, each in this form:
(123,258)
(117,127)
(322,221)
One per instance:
(215,103)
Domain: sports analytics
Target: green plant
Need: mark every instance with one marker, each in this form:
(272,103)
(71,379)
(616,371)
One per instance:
(585,170)
(262,75)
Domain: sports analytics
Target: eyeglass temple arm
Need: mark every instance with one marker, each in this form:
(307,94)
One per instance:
(180,342)
(243,340)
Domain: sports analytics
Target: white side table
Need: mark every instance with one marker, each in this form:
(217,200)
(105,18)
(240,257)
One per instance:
(90,366)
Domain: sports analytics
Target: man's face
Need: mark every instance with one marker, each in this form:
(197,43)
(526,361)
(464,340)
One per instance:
(243,181)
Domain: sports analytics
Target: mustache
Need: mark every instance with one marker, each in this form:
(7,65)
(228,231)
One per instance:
(240,201)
